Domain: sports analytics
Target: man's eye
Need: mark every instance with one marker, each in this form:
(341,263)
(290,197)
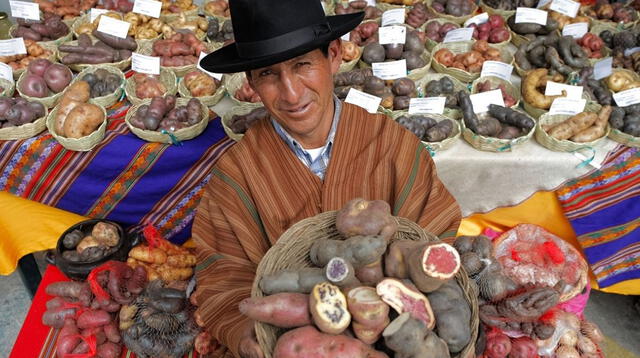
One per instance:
(303,63)
(265,73)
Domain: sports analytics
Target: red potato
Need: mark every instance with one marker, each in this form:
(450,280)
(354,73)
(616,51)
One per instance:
(112,333)
(308,342)
(56,317)
(109,350)
(369,335)
(74,291)
(96,332)
(68,338)
(90,319)
(286,310)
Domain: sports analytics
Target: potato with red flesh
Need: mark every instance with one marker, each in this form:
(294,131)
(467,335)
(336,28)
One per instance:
(364,217)
(433,265)
(404,298)
(328,307)
(285,310)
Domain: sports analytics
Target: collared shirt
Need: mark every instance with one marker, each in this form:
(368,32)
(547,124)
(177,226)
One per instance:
(316,163)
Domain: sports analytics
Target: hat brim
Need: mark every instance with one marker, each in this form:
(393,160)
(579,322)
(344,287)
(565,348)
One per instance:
(227,60)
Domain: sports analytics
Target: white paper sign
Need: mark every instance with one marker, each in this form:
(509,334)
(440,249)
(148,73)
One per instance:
(555,89)
(114,27)
(25,10)
(565,7)
(628,97)
(346,37)
(478,19)
(603,68)
(145,64)
(576,30)
(364,100)
(217,76)
(147,7)
(390,70)
(457,35)
(497,69)
(12,47)
(393,17)
(542,3)
(392,35)
(6,72)
(430,105)
(531,16)
(631,51)
(94,13)
(369,2)
(568,106)
(481,101)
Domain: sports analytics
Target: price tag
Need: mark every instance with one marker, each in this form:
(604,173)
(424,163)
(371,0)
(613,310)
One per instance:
(6,72)
(12,47)
(576,30)
(628,97)
(114,27)
(430,105)
(25,10)
(364,100)
(568,106)
(542,3)
(390,70)
(555,89)
(145,64)
(497,69)
(147,7)
(457,35)
(393,17)
(631,51)
(478,19)
(94,13)
(565,7)
(346,37)
(481,101)
(603,68)
(531,16)
(217,76)
(392,35)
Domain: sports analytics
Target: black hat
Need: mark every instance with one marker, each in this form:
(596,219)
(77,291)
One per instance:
(271,31)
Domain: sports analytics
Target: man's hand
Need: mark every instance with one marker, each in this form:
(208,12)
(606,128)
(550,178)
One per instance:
(249,347)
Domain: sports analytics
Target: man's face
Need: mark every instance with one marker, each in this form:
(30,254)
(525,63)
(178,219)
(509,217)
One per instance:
(299,93)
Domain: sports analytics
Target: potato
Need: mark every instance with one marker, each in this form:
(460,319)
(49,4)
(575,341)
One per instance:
(57,77)
(34,86)
(85,243)
(38,66)
(83,120)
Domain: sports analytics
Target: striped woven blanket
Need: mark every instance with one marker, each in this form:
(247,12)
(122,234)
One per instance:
(604,210)
(124,178)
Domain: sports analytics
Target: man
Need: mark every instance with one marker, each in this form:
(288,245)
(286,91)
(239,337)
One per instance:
(314,155)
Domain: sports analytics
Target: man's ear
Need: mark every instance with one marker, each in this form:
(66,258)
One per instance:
(335,55)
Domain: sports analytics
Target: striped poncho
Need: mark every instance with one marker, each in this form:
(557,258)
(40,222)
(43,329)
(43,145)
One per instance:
(259,189)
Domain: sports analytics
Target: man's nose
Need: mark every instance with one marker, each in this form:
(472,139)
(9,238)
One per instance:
(290,88)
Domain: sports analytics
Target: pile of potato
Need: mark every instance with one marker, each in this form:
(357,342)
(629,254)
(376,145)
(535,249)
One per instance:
(88,27)
(49,28)
(15,112)
(370,12)
(177,6)
(75,118)
(181,49)
(582,128)
(509,100)
(239,123)
(411,51)
(454,7)
(418,15)
(165,261)
(148,86)
(494,30)
(510,5)
(146,27)
(217,33)
(197,25)
(499,122)
(218,8)
(615,12)
(163,114)
(123,6)
(365,33)
(200,84)
(426,128)
(67,9)
(436,31)
(34,51)
(350,51)
(562,54)
(470,61)
(108,49)
(44,79)
(100,242)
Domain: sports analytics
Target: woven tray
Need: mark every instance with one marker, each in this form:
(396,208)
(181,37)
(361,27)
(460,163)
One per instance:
(457,86)
(561,145)
(457,19)
(26,130)
(147,49)
(8,88)
(496,81)
(181,134)
(444,144)
(79,67)
(239,109)
(232,83)
(55,42)
(83,144)
(462,47)
(491,11)
(491,144)
(48,101)
(168,79)
(624,138)
(383,6)
(108,100)
(208,14)
(53,49)
(430,44)
(172,16)
(206,100)
(291,251)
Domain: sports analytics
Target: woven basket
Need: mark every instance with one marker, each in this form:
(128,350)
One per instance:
(349,65)
(383,6)
(200,37)
(415,74)
(496,81)
(492,144)
(8,87)
(179,71)
(168,79)
(598,28)
(444,144)
(517,39)
(624,138)
(291,251)
(108,100)
(237,109)
(83,144)
(329,7)
(211,100)
(26,130)
(70,22)
(561,145)
(181,134)
(209,14)
(84,19)
(232,83)
(628,25)
(462,47)
(457,19)
(52,57)
(55,42)
(49,101)
(79,67)
(457,86)
(172,16)
(430,44)
(491,11)
(632,74)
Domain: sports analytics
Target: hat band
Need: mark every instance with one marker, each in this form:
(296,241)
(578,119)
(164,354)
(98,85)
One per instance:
(282,42)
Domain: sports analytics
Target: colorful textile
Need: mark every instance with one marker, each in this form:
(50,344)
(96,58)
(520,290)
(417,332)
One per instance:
(604,210)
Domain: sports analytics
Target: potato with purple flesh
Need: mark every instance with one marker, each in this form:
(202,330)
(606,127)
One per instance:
(34,86)
(38,66)
(57,77)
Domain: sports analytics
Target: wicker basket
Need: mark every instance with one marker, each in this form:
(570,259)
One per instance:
(457,19)
(201,37)
(492,144)
(457,86)
(561,145)
(291,251)
(8,87)
(209,14)
(517,39)
(329,7)
(624,138)
(349,65)
(181,134)
(70,22)
(232,83)
(634,75)
(53,49)
(462,47)
(55,42)
(83,144)
(598,28)
(167,78)
(211,100)
(179,71)
(415,74)
(79,67)
(383,6)
(84,19)
(172,16)
(522,73)
(238,109)
(435,147)
(49,101)
(108,100)
(628,25)
(496,81)
(491,11)
(26,130)
(430,44)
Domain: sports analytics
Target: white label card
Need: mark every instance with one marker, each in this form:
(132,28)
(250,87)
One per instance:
(217,76)
(565,7)
(147,7)
(393,17)
(457,35)
(114,27)
(94,13)
(603,68)
(531,16)
(631,51)
(542,3)
(369,2)
(568,106)
(478,19)
(364,100)
(390,70)
(6,72)
(25,10)
(430,105)
(576,30)
(555,89)
(346,37)
(481,101)
(497,69)
(145,64)
(628,97)
(12,47)
(392,35)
